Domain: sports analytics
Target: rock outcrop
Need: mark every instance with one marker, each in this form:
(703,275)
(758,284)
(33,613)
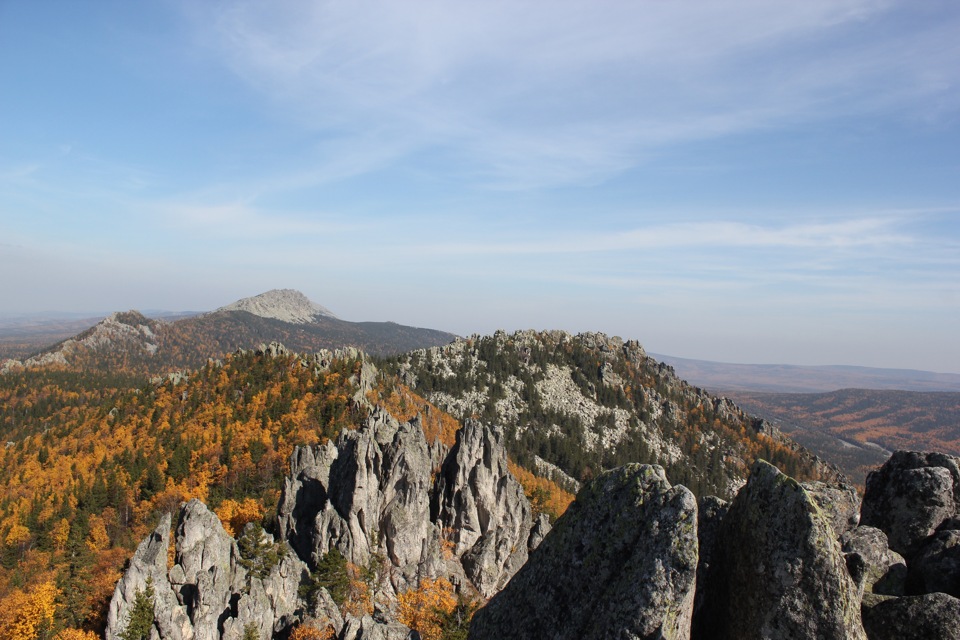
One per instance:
(634,557)
(839,502)
(207,594)
(367,494)
(872,565)
(911,496)
(482,509)
(621,563)
(779,572)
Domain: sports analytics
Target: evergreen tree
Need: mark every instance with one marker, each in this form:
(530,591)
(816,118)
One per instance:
(141,615)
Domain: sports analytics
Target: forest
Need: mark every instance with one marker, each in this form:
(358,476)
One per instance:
(92,460)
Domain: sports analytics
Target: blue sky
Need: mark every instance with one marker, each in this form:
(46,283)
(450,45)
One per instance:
(744,181)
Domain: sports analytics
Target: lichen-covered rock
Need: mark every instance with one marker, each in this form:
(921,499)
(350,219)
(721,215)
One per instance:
(840,503)
(910,496)
(621,563)
(872,565)
(779,572)
(483,508)
(936,567)
(926,617)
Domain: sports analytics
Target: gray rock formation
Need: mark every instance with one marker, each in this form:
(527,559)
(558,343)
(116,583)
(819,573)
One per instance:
(910,496)
(208,594)
(149,563)
(366,628)
(927,617)
(367,494)
(779,571)
(482,509)
(936,567)
(872,565)
(621,563)
(839,502)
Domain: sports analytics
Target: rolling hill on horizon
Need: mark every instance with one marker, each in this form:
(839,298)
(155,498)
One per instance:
(722,377)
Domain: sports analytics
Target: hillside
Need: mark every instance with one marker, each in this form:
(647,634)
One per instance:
(133,343)
(95,458)
(575,405)
(858,428)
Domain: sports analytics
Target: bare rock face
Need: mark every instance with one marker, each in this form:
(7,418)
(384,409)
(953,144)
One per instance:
(934,615)
(368,494)
(779,571)
(482,508)
(207,594)
(149,563)
(911,496)
(840,503)
(621,563)
(872,565)
(366,628)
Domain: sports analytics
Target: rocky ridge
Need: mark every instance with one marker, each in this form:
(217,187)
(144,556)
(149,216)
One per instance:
(123,331)
(587,402)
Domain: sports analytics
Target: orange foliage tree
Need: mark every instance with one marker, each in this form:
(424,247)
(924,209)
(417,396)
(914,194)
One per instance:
(423,609)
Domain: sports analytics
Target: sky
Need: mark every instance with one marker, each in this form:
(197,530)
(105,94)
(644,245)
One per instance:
(742,181)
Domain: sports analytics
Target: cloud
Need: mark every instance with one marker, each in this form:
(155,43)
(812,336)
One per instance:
(531,94)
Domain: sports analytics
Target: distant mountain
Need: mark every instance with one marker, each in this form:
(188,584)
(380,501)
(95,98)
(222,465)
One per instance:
(785,378)
(288,305)
(131,342)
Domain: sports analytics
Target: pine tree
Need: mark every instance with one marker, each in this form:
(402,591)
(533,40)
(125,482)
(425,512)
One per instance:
(141,615)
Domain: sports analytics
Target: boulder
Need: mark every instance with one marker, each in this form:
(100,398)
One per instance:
(839,502)
(924,617)
(482,508)
(910,496)
(779,572)
(872,565)
(936,567)
(621,563)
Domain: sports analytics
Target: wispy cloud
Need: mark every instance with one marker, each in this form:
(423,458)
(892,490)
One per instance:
(530,94)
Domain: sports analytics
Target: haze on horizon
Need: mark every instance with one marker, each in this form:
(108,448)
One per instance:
(739,182)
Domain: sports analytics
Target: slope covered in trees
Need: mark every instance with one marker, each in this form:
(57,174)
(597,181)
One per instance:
(91,461)
(582,404)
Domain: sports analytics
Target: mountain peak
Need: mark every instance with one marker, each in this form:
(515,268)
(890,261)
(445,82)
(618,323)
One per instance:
(288,305)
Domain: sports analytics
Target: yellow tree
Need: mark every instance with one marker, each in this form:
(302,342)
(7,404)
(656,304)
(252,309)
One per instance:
(422,609)
(24,615)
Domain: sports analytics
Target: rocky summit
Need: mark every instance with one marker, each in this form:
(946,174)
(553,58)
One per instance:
(634,557)
(288,305)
